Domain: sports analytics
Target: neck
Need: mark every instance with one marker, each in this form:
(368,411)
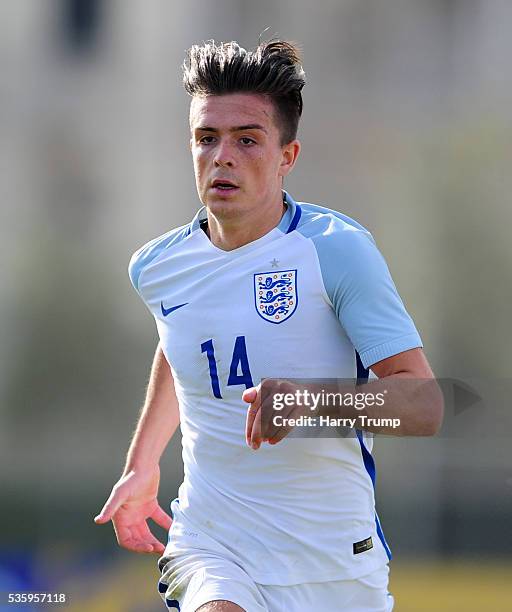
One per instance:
(229,234)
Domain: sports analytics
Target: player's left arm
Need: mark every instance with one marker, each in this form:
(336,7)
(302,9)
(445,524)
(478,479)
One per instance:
(413,404)
(408,364)
(413,395)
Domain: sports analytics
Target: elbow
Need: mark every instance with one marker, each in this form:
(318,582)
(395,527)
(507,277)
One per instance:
(433,414)
(431,427)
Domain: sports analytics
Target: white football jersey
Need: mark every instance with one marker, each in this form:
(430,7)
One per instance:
(312,298)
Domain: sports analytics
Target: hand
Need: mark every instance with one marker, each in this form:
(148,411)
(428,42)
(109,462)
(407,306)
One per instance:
(253,423)
(132,501)
(259,425)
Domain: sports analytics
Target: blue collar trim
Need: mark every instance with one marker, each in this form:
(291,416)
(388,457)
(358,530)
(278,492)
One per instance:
(288,223)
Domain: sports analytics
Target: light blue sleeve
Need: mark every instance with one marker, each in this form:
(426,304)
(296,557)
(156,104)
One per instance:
(359,285)
(150,251)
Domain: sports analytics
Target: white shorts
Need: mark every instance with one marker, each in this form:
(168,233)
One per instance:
(190,580)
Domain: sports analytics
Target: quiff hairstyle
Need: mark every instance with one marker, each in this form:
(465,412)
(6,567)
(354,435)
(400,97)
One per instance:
(273,69)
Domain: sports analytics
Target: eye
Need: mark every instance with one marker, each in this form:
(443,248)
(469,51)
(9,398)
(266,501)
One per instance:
(247,141)
(206,140)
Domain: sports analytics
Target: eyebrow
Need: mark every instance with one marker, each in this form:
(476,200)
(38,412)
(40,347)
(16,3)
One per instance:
(238,128)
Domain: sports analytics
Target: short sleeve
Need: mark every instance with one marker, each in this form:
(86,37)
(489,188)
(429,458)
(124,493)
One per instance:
(150,251)
(135,268)
(361,290)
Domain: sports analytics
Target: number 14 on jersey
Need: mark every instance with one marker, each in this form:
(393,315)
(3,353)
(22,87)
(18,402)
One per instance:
(239,361)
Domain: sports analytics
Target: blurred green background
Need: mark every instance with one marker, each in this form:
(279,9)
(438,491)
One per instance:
(407,127)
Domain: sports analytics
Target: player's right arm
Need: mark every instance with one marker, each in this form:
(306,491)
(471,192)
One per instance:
(134,497)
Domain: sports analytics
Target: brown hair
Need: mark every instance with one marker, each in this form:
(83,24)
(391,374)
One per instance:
(273,69)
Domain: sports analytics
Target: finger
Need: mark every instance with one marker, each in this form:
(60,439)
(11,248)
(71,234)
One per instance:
(249,395)
(129,538)
(137,546)
(266,410)
(161,518)
(123,533)
(158,548)
(144,541)
(256,437)
(274,430)
(111,506)
(146,537)
(280,435)
(252,413)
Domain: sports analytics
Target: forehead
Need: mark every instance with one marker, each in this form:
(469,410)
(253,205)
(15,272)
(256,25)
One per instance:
(229,110)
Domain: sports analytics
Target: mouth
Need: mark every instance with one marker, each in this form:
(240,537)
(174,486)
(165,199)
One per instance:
(224,186)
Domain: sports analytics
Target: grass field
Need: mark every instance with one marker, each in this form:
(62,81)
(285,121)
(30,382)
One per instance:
(417,586)
(452,587)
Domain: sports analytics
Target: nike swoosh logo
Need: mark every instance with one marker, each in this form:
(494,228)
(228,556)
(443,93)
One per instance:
(167,311)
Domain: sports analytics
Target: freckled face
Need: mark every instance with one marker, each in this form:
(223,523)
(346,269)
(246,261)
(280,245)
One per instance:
(234,139)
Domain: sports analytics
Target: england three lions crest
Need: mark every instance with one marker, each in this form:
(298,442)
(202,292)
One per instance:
(275,295)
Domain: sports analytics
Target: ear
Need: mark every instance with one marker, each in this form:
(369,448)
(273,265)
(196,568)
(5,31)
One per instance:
(190,144)
(289,154)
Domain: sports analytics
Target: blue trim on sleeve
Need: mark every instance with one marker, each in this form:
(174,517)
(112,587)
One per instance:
(369,463)
(362,372)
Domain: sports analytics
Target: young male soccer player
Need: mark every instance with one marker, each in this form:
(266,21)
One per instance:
(257,286)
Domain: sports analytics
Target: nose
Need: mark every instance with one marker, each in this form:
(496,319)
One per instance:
(224,155)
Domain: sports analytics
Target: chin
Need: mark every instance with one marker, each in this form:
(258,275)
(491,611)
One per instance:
(223,210)
(228,206)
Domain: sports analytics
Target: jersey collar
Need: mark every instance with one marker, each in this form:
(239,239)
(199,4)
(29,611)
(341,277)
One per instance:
(291,217)
(288,223)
